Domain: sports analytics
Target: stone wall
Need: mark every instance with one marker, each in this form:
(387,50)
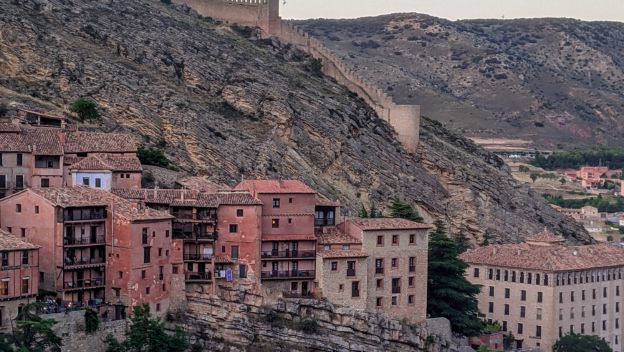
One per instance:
(71,328)
(243,320)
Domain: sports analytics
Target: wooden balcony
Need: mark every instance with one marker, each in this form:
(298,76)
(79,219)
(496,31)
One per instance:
(84,241)
(288,274)
(289,254)
(198,277)
(85,284)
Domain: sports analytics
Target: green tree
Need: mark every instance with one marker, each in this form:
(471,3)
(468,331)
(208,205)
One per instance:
(363,212)
(153,156)
(523,168)
(374,212)
(462,242)
(449,294)
(85,109)
(316,66)
(147,334)
(399,209)
(581,343)
(32,333)
(534,177)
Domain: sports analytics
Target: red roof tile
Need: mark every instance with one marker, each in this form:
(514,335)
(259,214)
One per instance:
(108,162)
(545,237)
(8,242)
(324,202)
(99,142)
(275,186)
(8,127)
(387,224)
(335,236)
(200,183)
(14,143)
(191,198)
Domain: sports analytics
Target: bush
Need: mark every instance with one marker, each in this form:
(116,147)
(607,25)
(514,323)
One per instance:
(153,156)
(85,109)
(308,326)
(316,67)
(92,321)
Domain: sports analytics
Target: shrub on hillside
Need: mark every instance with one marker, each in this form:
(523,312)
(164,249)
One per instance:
(86,109)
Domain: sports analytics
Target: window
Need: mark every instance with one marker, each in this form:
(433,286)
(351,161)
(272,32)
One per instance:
(379,266)
(395,300)
(380,241)
(239,213)
(160,252)
(355,289)
(120,274)
(143,274)
(538,314)
(410,281)
(147,290)
(4,287)
(3,181)
(412,239)
(476,272)
(604,292)
(491,307)
(85,181)
(412,264)
(290,220)
(519,329)
(346,247)
(506,309)
(234,252)
(158,307)
(5,258)
(25,285)
(507,292)
(174,269)
(36,209)
(161,273)
(538,331)
(164,287)
(504,327)
(334,266)
(19,181)
(23,232)
(24,257)
(491,291)
(572,296)
(233,228)
(45,183)
(146,254)
(395,240)
(20,159)
(144,236)
(395,262)
(523,295)
(18,208)
(560,297)
(522,311)
(167,233)
(379,302)
(380,284)
(41,277)
(290,200)
(98,182)
(276,202)
(410,299)
(275,223)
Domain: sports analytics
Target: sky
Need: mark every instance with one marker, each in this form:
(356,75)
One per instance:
(591,10)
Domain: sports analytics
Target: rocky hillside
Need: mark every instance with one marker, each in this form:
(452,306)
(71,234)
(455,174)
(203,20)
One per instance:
(220,103)
(555,82)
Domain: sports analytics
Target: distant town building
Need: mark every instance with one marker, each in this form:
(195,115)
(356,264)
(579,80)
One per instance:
(543,289)
(19,277)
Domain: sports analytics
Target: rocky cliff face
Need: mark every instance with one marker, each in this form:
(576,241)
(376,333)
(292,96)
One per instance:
(241,321)
(219,103)
(556,82)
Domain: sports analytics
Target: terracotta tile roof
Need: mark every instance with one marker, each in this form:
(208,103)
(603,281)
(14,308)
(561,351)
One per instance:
(288,237)
(324,202)
(45,141)
(275,186)
(107,162)
(387,224)
(191,198)
(545,237)
(201,183)
(546,258)
(99,142)
(337,253)
(70,160)
(14,143)
(84,196)
(8,127)
(336,236)
(8,242)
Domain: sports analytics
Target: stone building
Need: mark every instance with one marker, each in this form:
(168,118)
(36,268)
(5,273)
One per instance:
(543,289)
(396,265)
(288,248)
(19,276)
(106,172)
(95,247)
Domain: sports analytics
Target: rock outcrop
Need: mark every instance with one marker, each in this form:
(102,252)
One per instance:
(219,101)
(240,320)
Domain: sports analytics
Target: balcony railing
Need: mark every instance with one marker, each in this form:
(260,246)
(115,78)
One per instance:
(289,254)
(412,268)
(350,272)
(68,241)
(198,276)
(288,274)
(191,216)
(84,283)
(197,256)
(83,261)
(324,221)
(379,270)
(396,289)
(84,215)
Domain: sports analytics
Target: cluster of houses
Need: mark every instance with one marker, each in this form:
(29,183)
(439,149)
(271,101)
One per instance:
(76,224)
(594,177)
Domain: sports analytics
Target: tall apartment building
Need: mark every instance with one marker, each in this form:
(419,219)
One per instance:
(543,289)
(19,277)
(219,233)
(95,247)
(288,248)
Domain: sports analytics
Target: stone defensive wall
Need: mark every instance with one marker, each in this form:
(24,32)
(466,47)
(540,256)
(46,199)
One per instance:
(405,119)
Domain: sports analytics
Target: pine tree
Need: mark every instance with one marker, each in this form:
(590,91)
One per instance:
(363,212)
(449,294)
(462,242)
(399,209)
(374,212)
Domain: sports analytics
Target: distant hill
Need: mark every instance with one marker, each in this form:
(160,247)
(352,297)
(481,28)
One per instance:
(556,82)
(219,101)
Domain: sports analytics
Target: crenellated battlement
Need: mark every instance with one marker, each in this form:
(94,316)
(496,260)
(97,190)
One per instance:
(405,119)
